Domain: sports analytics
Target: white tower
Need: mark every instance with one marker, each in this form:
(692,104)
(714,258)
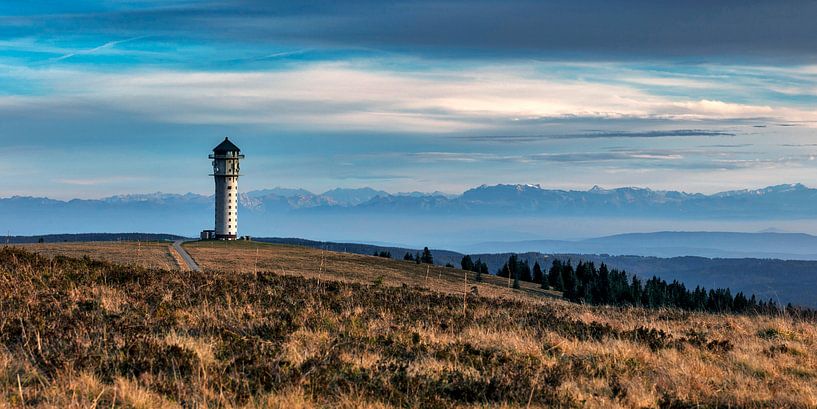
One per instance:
(225,171)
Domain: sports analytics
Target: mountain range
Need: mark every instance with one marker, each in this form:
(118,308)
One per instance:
(781,201)
(498,213)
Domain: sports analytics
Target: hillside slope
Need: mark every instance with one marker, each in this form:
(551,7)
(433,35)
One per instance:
(142,254)
(243,257)
(82,333)
(785,281)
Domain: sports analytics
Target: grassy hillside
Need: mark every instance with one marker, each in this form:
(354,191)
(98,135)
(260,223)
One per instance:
(243,256)
(82,333)
(143,254)
(784,281)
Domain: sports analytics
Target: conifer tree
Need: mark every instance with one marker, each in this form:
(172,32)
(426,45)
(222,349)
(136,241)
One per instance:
(427,257)
(537,273)
(504,271)
(466,263)
(513,265)
(602,293)
(523,271)
(555,275)
(569,282)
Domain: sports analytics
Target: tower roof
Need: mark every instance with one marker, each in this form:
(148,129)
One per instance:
(226,146)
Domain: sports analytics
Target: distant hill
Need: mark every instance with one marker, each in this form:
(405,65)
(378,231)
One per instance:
(83,237)
(785,281)
(787,246)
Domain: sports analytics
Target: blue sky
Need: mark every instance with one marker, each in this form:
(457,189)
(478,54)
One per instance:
(108,97)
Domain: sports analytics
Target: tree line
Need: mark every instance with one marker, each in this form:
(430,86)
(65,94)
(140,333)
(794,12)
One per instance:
(425,258)
(590,285)
(478,267)
(587,284)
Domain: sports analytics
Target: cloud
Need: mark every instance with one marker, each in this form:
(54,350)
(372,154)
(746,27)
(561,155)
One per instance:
(759,29)
(598,134)
(357,96)
(607,156)
(723,145)
(577,157)
(106,46)
(466,157)
(635,159)
(112,180)
(651,134)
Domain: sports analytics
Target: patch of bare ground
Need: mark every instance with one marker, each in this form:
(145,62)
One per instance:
(84,333)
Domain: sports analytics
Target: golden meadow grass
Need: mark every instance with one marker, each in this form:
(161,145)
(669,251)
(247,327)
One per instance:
(143,254)
(308,328)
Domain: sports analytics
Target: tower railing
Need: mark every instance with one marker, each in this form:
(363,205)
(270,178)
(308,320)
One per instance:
(228,155)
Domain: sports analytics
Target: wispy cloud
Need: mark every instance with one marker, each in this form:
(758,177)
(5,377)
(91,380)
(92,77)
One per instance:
(577,157)
(106,46)
(651,134)
(606,156)
(358,96)
(97,181)
(599,134)
(726,145)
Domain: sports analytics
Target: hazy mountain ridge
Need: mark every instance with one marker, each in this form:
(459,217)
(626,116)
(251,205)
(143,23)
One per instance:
(781,201)
(762,245)
(482,214)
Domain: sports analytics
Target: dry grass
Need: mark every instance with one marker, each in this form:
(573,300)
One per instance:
(248,257)
(84,334)
(142,254)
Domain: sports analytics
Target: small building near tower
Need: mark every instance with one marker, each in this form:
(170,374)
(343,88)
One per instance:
(226,157)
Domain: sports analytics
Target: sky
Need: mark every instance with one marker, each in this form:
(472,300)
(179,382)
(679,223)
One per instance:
(109,97)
